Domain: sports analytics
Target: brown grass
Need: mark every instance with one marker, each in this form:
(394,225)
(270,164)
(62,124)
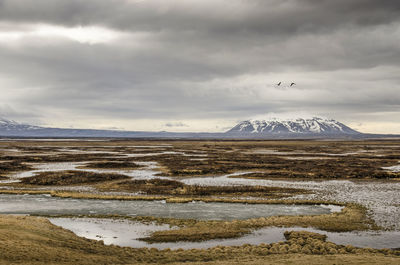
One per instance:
(353,217)
(31,240)
(177,188)
(60,178)
(232,156)
(112,165)
(225,157)
(7,167)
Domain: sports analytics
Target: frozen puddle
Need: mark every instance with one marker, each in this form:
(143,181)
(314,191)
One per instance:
(127,233)
(112,231)
(42,168)
(47,205)
(149,171)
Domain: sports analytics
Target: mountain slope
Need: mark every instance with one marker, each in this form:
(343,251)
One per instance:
(299,126)
(10,128)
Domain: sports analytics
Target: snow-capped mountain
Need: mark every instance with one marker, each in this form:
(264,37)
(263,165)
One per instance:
(297,126)
(9,125)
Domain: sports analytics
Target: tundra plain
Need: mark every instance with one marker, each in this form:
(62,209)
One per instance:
(360,177)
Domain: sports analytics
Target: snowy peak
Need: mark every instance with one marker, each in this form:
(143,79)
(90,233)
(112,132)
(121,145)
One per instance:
(9,125)
(306,126)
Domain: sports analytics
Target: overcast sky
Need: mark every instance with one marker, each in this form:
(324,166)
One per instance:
(199,65)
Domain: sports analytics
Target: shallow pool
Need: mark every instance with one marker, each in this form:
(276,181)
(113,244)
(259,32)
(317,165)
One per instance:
(128,233)
(47,205)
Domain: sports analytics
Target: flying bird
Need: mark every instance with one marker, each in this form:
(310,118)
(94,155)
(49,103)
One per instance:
(279,84)
(292,84)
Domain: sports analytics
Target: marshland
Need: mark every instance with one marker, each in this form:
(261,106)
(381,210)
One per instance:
(220,202)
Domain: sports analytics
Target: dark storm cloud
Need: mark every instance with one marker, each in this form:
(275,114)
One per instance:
(202,59)
(278,16)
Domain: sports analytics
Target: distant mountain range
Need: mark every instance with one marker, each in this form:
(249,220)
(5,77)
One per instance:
(272,128)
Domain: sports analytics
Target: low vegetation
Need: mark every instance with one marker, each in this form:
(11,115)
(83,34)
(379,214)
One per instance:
(282,159)
(71,177)
(36,241)
(270,159)
(295,175)
(277,166)
(177,188)
(112,165)
(7,167)
(352,217)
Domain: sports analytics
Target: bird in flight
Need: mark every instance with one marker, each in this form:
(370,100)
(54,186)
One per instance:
(279,84)
(292,84)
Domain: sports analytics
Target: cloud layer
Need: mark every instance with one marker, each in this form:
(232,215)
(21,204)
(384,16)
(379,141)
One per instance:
(156,64)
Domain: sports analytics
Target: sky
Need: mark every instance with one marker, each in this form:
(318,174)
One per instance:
(190,65)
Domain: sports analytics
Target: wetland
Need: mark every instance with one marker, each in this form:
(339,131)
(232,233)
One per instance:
(199,198)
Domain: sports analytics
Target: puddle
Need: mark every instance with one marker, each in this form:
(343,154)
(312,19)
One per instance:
(392,168)
(127,233)
(81,151)
(147,172)
(118,232)
(9,150)
(47,205)
(42,168)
